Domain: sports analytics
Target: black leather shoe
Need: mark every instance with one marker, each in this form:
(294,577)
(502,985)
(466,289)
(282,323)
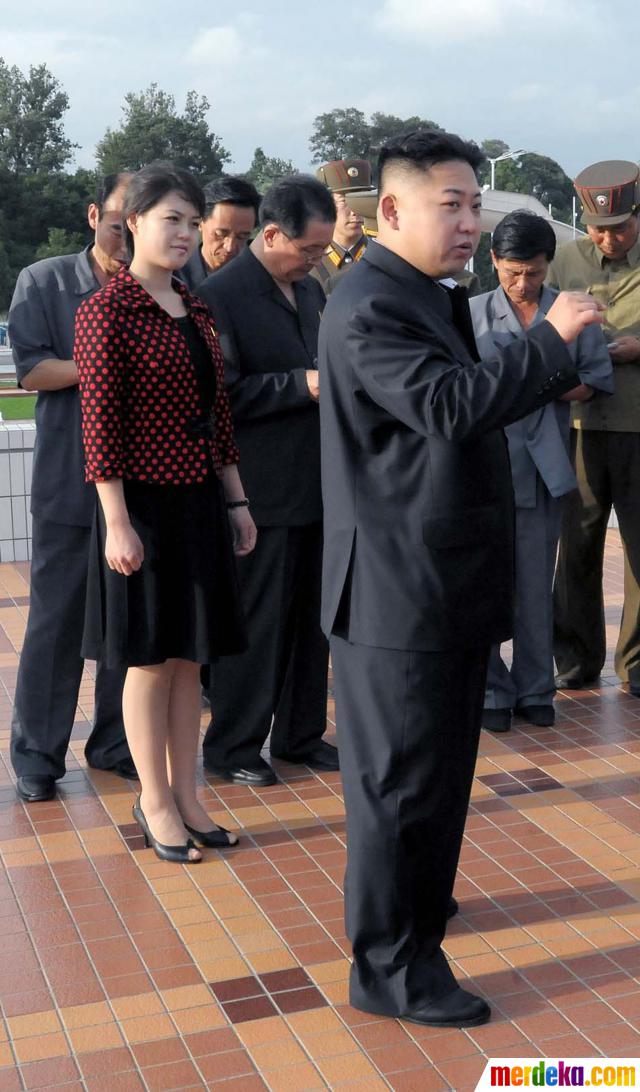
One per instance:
(36,787)
(634,689)
(496,720)
(458,1009)
(323,757)
(573,681)
(543,716)
(255,776)
(452,908)
(125,768)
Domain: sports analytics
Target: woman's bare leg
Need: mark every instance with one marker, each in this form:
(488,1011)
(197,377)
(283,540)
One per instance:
(185,707)
(146,702)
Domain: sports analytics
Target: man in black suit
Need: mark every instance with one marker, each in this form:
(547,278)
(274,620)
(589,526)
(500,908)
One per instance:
(230,218)
(267,310)
(418,564)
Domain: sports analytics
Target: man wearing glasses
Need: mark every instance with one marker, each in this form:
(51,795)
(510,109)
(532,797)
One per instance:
(267,310)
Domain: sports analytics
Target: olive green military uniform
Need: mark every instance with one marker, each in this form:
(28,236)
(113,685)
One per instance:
(336,262)
(605,446)
(345,176)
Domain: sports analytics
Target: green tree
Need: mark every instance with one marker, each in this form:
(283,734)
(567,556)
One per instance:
(60,241)
(31,128)
(385,126)
(345,133)
(153,129)
(267,169)
(339,134)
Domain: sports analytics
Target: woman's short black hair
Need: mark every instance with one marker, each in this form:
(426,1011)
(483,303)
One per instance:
(522,235)
(150,184)
(293,201)
(424,148)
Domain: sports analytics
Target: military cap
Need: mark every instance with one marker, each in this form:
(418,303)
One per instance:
(344,175)
(609,191)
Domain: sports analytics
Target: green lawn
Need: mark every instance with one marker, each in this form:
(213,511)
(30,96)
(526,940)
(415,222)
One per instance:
(18,409)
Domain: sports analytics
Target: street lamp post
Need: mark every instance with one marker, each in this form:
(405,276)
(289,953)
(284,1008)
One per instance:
(498,159)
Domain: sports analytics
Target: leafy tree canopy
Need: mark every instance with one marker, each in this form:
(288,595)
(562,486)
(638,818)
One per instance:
(345,133)
(153,129)
(31,130)
(267,169)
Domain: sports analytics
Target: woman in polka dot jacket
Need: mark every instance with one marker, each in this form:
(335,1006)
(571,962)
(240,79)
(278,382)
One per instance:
(162,594)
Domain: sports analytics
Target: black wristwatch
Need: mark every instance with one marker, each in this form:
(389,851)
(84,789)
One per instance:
(238,504)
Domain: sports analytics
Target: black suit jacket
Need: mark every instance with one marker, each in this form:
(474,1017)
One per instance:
(416,483)
(268,347)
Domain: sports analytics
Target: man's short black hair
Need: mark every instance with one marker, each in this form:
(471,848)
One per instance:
(424,148)
(293,201)
(231,191)
(106,185)
(523,235)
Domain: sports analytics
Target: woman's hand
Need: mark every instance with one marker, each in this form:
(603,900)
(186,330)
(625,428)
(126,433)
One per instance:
(244,531)
(123,549)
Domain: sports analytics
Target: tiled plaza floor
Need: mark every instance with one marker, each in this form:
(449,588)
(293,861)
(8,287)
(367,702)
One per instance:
(119,972)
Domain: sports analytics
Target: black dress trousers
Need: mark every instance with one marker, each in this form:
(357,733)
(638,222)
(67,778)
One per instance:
(283,674)
(408,728)
(51,666)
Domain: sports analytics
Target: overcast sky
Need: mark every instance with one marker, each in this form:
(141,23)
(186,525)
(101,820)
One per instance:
(559,77)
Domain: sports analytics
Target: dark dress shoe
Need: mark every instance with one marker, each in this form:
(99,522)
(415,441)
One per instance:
(458,1009)
(323,757)
(125,768)
(255,776)
(571,680)
(543,716)
(452,908)
(634,689)
(36,787)
(496,720)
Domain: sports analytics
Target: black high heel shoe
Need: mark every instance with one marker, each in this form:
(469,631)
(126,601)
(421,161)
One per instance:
(213,839)
(177,854)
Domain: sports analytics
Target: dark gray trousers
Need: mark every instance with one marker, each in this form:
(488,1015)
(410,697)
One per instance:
(408,728)
(530,679)
(50,666)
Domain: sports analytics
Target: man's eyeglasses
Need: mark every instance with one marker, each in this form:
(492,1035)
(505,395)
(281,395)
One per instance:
(311,253)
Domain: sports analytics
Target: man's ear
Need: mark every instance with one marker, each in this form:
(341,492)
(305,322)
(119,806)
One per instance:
(93,216)
(269,233)
(388,210)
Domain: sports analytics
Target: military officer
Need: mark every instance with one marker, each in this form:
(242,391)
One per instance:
(343,176)
(605,434)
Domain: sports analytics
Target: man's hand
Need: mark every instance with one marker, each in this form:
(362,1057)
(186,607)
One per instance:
(123,549)
(625,350)
(572,311)
(581,393)
(313,383)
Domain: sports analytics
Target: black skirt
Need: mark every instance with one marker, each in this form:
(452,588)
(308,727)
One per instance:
(184,601)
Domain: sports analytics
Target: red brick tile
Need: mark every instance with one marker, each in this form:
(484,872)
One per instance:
(174,1075)
(232,1063)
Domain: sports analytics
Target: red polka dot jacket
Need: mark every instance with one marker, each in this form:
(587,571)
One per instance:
(138,389)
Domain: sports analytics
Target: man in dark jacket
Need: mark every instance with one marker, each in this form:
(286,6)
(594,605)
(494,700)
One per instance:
(418,563)
(41,326)
(267,310)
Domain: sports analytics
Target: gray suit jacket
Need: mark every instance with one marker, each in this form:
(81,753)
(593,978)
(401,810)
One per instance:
(41,327)
(539,442)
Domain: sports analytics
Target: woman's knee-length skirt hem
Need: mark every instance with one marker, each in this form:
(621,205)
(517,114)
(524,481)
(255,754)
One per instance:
(184,601)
